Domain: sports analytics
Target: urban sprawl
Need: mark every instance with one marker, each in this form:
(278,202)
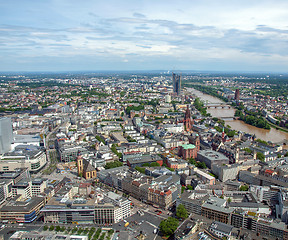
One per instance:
(138,156)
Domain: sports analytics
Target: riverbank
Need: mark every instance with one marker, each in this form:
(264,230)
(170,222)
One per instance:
(278,128)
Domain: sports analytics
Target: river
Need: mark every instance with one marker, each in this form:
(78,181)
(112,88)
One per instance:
(272,135)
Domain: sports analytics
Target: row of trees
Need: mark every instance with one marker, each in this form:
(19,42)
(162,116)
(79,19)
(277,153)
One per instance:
(254,120)
(74,230)
(228,132)
(135,108)
(113,164)
(200,107)
(197,163)
(114,150)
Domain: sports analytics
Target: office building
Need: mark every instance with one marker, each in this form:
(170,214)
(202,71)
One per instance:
(69,211)
(20,211)
(176,83)
(210,157)
(24,156)
(6,135)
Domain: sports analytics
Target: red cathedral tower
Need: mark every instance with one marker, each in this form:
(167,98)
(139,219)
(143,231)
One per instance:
(187,120)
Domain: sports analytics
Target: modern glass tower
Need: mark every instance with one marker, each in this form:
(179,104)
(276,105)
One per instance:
(6,135)
(176,83)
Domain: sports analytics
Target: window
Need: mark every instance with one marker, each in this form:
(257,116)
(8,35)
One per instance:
(35,165)
(6,168)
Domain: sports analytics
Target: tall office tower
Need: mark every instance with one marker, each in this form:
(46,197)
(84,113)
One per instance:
(176,83)
(237,94)
(6,135)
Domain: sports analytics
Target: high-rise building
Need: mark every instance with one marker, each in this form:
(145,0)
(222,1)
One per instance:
(237,94)
(6,135)
(176,83)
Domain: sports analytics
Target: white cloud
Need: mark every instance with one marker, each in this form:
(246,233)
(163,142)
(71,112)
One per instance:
(185,31)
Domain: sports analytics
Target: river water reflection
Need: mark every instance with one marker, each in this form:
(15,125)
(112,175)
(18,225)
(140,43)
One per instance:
(272,135)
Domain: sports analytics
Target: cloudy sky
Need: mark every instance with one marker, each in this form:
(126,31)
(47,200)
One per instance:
(222,35)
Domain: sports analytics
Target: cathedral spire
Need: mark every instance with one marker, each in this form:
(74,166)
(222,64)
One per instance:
(187,120)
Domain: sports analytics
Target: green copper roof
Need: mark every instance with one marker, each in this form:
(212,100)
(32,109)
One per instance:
(188,146)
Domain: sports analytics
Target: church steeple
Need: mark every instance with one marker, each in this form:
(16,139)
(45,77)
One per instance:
(187,120)
(80,165)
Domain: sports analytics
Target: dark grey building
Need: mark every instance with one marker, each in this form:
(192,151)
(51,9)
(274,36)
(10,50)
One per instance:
(176,83)
(210,157)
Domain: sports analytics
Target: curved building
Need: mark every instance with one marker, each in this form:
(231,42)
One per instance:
(24,156)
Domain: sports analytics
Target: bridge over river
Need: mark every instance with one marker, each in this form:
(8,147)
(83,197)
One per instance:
(217,105)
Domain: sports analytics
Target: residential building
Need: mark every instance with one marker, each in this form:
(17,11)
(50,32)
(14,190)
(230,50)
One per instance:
(38,186)
(22,189)
(5,189)
(215,208)
(193,201)
(221,229)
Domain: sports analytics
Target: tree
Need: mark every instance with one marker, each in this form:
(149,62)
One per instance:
(100,139)
(146,165)
(181,212)
(140,169)
(189,187)
(201,165)
(113,164)
(114,150)
(192,161)
(244,188)
(168,226)
(45,228)
(155,164)
(261,156)
(182,189)
(248,150)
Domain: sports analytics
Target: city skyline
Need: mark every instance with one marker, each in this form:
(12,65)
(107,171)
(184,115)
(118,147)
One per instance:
(144,35)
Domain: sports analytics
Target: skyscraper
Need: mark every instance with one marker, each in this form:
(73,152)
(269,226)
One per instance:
(176,83)
(6,135)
